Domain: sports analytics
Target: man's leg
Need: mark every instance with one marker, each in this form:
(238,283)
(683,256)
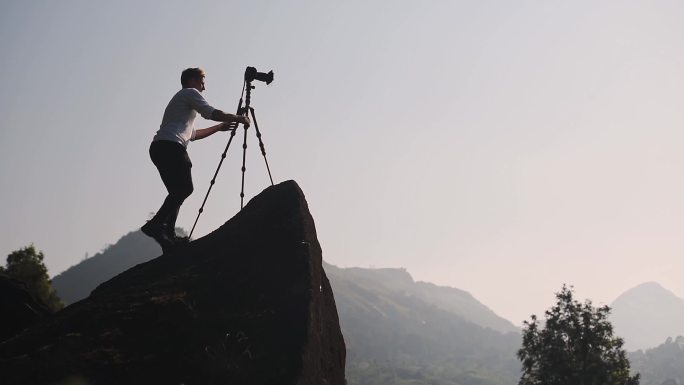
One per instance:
(179,186)
(174,167)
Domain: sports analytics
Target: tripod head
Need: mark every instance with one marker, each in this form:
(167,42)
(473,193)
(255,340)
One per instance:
(252,74)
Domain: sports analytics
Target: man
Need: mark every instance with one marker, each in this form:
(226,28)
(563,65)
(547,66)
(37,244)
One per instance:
(169,155)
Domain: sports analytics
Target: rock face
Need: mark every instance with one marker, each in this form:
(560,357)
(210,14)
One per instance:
(18,307)
(247,304)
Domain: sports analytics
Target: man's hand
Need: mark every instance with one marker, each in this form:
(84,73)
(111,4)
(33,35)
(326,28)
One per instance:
(228,126)
(221,116)
(244,120)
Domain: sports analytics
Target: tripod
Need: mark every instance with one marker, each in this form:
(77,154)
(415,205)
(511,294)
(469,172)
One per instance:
(247,110)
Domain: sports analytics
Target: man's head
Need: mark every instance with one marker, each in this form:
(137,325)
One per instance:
(193,78)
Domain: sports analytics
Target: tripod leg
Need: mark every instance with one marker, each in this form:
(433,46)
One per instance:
(244,157)
(261,144)
(223,157)
(213,180)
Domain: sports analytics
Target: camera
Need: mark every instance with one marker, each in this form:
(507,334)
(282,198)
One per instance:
(251,74)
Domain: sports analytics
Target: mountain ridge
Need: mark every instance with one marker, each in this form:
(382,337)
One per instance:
(391,325)
(76,282)
(646,315)
(453,300)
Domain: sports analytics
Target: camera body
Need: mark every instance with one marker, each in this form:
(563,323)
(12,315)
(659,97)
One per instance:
(252,74)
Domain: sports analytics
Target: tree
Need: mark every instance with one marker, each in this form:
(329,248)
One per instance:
(574,346)
(27,265)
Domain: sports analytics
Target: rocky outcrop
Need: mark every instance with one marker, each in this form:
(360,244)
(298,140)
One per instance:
(247,304)
(18,307)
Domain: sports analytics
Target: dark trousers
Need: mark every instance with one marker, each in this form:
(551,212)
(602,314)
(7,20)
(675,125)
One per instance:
(174,166)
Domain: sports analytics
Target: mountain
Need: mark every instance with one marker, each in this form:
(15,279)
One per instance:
(78,281)
(248,303)
(456,301)
(397,330)
(397,333)
(647,315)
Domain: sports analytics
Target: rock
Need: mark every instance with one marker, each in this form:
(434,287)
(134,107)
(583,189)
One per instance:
(19,308)
(247,304)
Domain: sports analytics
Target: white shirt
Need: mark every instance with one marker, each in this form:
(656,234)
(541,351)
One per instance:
(178,123)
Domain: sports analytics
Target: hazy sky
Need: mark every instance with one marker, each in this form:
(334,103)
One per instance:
(501,147)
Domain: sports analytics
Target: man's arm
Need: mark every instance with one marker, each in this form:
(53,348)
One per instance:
(230,122)
(221,116)
(204,132)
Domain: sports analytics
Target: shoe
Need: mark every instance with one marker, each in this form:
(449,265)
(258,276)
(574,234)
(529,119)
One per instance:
(177,240)
(180,241)
(158,233)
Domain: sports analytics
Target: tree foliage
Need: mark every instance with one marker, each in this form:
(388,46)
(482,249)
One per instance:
(575,346)
(27,265)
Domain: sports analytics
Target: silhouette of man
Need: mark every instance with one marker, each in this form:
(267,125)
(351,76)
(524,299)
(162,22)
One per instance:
(169,155)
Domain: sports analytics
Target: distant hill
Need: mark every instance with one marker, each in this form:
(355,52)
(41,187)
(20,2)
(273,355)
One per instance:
(456,301)
(647,315)
(662,365)
(78,281)
(399,331)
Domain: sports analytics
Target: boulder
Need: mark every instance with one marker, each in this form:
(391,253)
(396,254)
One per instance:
(19,308)
(247,304)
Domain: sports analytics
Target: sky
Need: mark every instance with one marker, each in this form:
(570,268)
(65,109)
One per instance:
(500,147)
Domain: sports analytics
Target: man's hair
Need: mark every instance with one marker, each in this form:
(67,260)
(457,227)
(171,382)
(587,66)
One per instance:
(191,73)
